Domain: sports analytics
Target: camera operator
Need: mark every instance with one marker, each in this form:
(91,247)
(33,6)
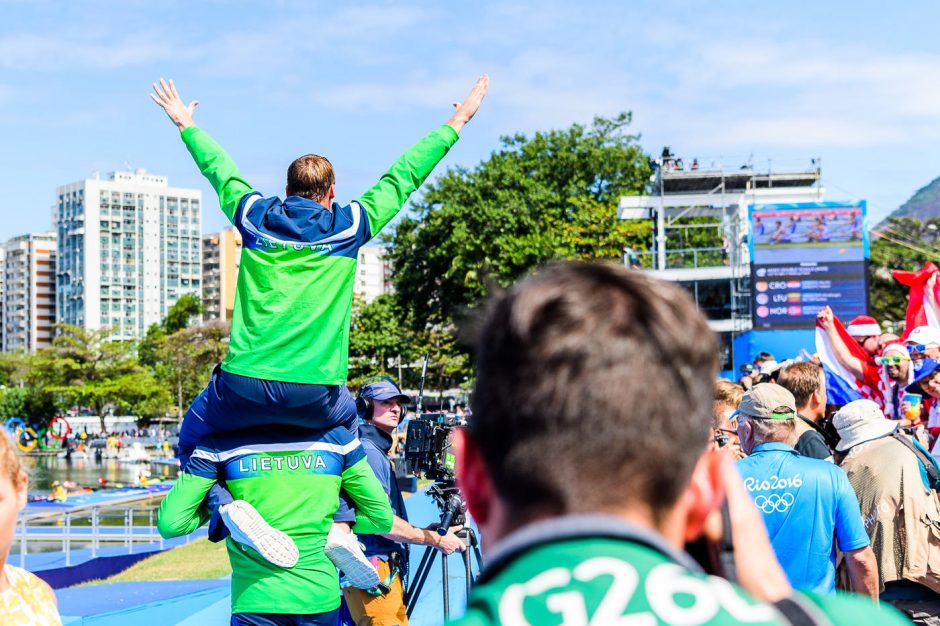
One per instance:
(587,469)
(380,405)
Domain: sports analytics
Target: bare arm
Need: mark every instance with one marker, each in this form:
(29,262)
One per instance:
(842,353)
(403,532)
(214,163)
(863,571)
(386,198)
(464,111)
(166,96)
(758,571)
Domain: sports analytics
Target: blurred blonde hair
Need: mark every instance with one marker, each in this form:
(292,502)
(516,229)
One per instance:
(10,464)
(727,392)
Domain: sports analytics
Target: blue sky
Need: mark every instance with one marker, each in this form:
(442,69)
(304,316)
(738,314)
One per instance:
(854,83)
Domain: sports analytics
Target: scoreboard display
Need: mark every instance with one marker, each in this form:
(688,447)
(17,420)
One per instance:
(804,257)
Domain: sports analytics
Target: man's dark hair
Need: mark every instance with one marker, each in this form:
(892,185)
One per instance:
(594,390)
(310,176)
(765,356)
(802,380)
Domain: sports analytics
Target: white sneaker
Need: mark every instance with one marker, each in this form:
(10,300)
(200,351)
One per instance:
(344,550)
(249,528)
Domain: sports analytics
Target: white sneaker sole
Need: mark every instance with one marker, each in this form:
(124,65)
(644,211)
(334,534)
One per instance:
(248,528)
(348,557)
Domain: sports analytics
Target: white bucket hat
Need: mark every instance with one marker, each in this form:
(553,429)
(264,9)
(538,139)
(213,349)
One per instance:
(860,421)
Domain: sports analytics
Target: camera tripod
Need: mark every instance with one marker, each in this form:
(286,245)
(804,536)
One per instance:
(452,507)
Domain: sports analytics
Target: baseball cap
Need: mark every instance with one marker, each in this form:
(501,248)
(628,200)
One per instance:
(925,371)
(925,335)
(860,421)
(384,390)
(768,401)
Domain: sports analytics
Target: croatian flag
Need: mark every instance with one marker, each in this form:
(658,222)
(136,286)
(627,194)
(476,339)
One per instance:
(921,309)
(841,385)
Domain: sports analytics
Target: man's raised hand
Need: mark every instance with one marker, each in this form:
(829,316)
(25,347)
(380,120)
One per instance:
(468,108)
(166,96)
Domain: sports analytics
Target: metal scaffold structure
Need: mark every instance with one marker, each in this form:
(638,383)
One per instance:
(701,233)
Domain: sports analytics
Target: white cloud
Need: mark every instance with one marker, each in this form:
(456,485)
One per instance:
(58,53)
(846,95)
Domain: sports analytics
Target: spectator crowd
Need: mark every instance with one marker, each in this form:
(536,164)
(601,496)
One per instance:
(848,492)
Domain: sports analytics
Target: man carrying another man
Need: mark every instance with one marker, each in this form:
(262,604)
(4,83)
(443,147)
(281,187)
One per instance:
(287,361)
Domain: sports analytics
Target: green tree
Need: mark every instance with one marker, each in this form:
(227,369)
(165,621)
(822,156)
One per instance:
(378,338)
(13,403)
(185,358)
(88,368)
(40,405)
(901,243)
(183,312)
(536,199)
(148,351)
(15,368)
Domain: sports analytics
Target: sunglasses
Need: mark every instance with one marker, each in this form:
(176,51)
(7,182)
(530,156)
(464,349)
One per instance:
(918,347)
(891,360)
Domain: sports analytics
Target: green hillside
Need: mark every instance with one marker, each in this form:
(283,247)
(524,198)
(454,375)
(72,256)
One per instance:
(923,205)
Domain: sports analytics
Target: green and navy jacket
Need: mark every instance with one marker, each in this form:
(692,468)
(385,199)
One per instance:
(298,262)
(293,478)
(601,571)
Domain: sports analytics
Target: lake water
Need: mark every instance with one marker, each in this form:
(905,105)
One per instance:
(86,472)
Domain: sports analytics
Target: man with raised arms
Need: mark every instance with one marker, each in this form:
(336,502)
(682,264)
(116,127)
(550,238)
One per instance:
(287,359)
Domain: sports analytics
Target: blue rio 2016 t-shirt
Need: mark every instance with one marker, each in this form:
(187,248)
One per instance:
(808,506)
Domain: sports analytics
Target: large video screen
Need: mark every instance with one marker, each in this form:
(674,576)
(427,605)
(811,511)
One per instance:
(804,257)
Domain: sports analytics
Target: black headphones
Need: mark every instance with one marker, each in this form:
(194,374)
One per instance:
(364,397)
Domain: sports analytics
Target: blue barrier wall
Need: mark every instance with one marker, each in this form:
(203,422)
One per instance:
(783,344)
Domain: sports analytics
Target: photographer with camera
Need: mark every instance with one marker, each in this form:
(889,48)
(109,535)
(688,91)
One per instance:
(380,404)
(587,470)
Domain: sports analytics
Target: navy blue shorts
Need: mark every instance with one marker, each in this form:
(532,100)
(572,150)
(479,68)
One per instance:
(232,402)
(284,619)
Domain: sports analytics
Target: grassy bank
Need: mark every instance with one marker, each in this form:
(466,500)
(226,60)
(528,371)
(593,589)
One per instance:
(197,560)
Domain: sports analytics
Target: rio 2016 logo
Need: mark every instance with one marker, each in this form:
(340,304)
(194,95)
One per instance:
(775,503)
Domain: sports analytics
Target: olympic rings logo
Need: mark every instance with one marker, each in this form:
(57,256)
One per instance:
(774,502)
(28,438)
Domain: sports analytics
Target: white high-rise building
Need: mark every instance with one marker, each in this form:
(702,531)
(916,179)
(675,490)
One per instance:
(2,305)
(372,273)
(129,247)
(29,295)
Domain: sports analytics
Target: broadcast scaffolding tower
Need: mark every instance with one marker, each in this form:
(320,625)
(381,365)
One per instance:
(701,230)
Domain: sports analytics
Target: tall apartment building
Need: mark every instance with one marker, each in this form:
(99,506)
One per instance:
(129,247)
(221,255)
(29,270)
(372,273)
(2,307)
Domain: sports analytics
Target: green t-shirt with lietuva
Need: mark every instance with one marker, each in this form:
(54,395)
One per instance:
(293,479)
(610,582)
(294,294)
